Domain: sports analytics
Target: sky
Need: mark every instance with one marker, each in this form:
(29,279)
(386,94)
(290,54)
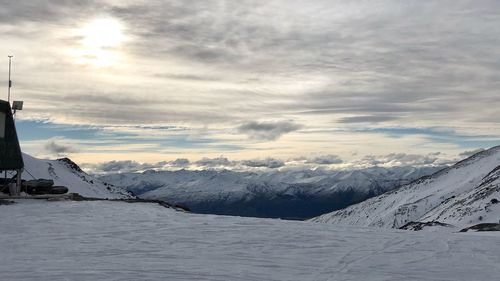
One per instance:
(266,83)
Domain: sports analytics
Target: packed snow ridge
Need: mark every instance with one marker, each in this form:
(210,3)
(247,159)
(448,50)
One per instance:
(66,173)
(462,195)
(104,240)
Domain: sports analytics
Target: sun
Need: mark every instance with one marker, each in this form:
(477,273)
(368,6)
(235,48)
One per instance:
(100,42)
(103,33)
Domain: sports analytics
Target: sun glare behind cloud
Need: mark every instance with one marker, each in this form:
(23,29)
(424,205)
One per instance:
(101,39)
(101,33)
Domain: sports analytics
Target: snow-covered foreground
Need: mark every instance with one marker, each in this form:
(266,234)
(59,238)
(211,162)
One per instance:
(122,241)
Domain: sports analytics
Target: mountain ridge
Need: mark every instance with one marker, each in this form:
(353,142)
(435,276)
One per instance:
(295,194)
(67,173)
(458,195)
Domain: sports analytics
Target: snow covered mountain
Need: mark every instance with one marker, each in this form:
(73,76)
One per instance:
(284,194)
(66,173)
(464,194)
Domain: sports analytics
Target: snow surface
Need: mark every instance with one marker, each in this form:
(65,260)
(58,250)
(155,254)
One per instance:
(102,240)
(460,195)
(74,179)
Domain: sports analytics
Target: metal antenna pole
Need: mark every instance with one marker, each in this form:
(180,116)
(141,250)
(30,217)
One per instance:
(10,81)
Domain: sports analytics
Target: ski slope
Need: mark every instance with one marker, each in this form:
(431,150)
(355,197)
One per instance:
(464,194)
(102,240)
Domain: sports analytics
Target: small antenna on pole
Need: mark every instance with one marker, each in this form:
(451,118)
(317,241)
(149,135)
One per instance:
(10,81)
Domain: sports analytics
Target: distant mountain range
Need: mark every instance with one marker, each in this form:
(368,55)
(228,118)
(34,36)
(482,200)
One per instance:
(278,194)
(462,195)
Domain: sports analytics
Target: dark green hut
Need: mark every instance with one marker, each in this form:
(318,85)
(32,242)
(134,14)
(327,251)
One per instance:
(10,151)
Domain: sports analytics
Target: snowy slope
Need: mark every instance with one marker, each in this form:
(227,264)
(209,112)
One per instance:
(66,173)
(284,194)
(462,195)
(121,241)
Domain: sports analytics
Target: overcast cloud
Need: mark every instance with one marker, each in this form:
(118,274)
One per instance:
(278,78)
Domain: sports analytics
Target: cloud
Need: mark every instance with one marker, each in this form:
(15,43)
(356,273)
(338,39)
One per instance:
(468,153)
(300,163)
(43,11)
(267,130)
(188,77)
(325,160)
(267,163)
(130,166)
(272,62)
(367,119)
(180,162)
(54,146)
(401,159)
(214,162)
(124,166)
